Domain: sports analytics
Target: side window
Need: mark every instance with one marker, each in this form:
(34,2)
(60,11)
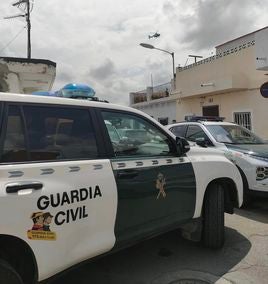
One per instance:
(134,136)
(179,130)
(195,131)
(14,148)
(59,133)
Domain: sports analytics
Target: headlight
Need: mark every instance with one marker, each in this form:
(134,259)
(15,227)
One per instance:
(261,173)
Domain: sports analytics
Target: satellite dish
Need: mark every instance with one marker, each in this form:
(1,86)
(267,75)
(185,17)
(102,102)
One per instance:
(264,90)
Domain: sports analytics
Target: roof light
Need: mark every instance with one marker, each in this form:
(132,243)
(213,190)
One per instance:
(44,93)
(73,91)
(203,118)
(76,91)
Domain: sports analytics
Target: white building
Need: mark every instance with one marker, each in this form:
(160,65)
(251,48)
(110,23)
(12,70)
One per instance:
(226,84)
(22,75)
(156,101)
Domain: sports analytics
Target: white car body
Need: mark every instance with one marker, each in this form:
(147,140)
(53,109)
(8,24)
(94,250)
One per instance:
(245,158)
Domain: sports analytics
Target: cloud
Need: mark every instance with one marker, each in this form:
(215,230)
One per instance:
(106,70)
(97,42)
(64,77)
(214,22)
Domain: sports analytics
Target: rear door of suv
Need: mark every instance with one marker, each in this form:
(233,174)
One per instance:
(57,189)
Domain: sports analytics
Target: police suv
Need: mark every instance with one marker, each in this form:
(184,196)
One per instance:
(81,178)
(245,149)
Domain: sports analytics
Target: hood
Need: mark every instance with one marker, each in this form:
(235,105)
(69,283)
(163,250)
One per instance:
(260,150)
(201,151)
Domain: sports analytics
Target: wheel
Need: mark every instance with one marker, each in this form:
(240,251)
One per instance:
(8,274)
(213,217)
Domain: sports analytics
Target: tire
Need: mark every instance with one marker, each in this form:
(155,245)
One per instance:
(213,217)
(8,274)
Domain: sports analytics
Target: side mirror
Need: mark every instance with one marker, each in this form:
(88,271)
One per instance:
(182,146)
(201,141)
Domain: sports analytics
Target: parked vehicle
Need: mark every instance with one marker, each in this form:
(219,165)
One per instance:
(72,188)
(243,147)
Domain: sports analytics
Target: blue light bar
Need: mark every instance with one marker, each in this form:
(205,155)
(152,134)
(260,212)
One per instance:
(76,91)
(44,93)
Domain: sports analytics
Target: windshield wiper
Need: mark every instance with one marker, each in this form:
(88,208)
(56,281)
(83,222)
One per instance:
(227,142)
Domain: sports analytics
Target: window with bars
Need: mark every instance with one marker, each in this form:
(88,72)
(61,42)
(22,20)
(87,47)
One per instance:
(243,119)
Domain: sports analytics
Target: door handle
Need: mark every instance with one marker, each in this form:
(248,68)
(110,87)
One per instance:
(17,186)
(127,174)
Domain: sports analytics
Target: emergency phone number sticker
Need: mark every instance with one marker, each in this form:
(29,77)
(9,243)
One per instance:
(41,227)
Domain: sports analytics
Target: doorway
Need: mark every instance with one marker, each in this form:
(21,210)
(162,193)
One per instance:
(211,110)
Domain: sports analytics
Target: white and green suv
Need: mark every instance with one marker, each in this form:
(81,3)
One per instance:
(75,184)
(241,146)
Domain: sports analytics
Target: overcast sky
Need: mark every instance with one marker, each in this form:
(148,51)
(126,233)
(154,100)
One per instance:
(97,41)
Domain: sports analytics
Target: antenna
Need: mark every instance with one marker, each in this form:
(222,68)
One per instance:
(26,8)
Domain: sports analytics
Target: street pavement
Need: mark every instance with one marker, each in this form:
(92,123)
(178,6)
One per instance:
(169,259)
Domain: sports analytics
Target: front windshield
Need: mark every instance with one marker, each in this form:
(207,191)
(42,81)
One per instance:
(233,134)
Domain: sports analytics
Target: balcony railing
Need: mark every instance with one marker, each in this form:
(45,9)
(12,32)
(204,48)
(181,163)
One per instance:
(219,55)
(160,95)
(139,98)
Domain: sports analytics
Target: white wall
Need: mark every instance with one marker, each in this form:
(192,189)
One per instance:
(243,101)
(235,43)
(160,110)
(21,76)
(261,47)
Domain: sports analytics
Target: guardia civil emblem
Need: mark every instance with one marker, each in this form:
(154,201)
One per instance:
(160,183)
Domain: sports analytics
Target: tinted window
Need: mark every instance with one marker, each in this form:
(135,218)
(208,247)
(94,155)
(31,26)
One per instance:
(14,148)
(179,130)
(137,137)
(194,131)
(53,134)
(59,133)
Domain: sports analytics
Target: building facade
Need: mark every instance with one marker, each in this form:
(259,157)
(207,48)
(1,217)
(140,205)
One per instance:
(25,76)
(226,84)
(156,101)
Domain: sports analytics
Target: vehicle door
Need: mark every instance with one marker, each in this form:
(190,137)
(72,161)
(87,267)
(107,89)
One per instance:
(57,192)
(156,188)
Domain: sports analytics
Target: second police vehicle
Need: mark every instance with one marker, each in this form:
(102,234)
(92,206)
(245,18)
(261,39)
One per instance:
(245,149)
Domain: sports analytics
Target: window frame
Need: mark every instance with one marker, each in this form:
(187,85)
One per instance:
(106,137)
(90,110)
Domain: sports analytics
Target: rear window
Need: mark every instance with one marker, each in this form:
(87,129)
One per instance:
(48,133)
(14,148)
